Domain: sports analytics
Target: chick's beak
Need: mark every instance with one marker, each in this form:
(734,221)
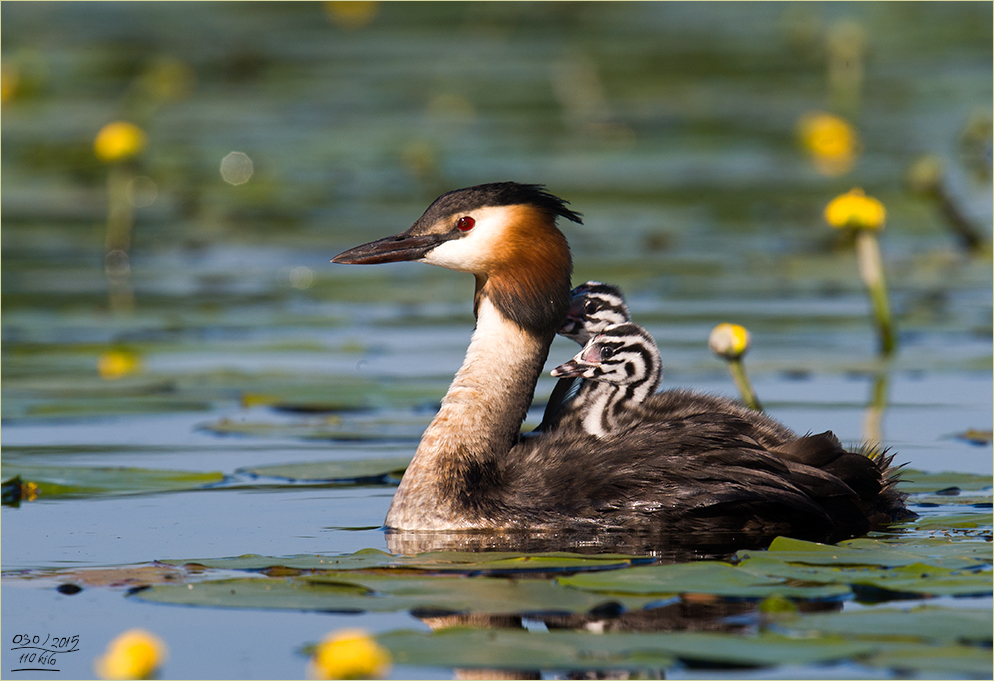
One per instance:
(570,369)
(399,248)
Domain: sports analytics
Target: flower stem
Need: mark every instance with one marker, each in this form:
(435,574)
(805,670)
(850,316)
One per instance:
(742,382)
(871,269)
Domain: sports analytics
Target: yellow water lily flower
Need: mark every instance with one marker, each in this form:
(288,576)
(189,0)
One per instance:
(135,654)
(729,340)
(832,141)
(856,210)
(349,654)
(115,364)
(119,141)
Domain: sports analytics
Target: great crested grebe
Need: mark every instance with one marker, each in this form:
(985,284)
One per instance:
(691,464)
(620,368)
(593,307)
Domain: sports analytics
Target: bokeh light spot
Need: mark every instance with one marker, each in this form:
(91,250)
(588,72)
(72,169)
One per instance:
(142,191)
(301,277)
(236,168)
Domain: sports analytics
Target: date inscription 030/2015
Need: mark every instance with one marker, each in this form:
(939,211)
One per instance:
(40,653)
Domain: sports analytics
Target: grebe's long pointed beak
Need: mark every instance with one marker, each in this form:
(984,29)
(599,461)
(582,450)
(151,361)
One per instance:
(399,248)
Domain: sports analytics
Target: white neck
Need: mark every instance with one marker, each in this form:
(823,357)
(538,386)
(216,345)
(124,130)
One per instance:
(478,423)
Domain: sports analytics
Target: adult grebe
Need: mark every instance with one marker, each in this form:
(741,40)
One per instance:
(620,368)
(685,468)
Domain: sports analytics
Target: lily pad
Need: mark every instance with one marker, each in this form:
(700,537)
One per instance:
(956,521)
(923,624)
(915,481)
(355,591)
(483,648)
(365,470)
(710,577)
(467,563)
(69,481)
(316,431)
(865,552)
(951,659)
(884,568)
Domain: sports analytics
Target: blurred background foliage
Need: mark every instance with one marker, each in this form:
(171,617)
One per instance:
(702,141)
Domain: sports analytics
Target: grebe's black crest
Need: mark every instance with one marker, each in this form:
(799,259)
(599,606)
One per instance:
(497,194)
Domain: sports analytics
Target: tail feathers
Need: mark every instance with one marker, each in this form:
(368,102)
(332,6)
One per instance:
(812,450)
(867,472)
(891,501)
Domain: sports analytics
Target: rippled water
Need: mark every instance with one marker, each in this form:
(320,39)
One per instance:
(670,126)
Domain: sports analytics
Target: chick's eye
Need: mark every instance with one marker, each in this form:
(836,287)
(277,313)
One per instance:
(465,223)
(589,307)
(607,352)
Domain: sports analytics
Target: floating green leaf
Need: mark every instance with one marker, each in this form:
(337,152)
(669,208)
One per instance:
(956,521)
(950,659)
(877,566)
(720,579)
(924,624)
(318,431)
(488,648)
(915,481)
(866,552)
(442,561)
(87,481)
(358,469)
(356,591)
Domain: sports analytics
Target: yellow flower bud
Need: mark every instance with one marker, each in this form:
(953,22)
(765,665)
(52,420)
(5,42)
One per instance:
(729,340)
(349,654)
(352,14)
(115,364)
(29,491)
(10,81)
(135,654)
(119,141)
(831,141)
(856,210)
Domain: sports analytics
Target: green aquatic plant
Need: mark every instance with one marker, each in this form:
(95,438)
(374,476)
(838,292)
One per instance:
(865,216)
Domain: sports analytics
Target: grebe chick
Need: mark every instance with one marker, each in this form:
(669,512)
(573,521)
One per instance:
(593,307)
(620,368)
(684,469)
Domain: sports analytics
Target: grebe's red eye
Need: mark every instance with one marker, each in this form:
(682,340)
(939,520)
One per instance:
(465,223)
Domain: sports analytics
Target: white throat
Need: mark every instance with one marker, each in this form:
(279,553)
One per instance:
(478,423)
